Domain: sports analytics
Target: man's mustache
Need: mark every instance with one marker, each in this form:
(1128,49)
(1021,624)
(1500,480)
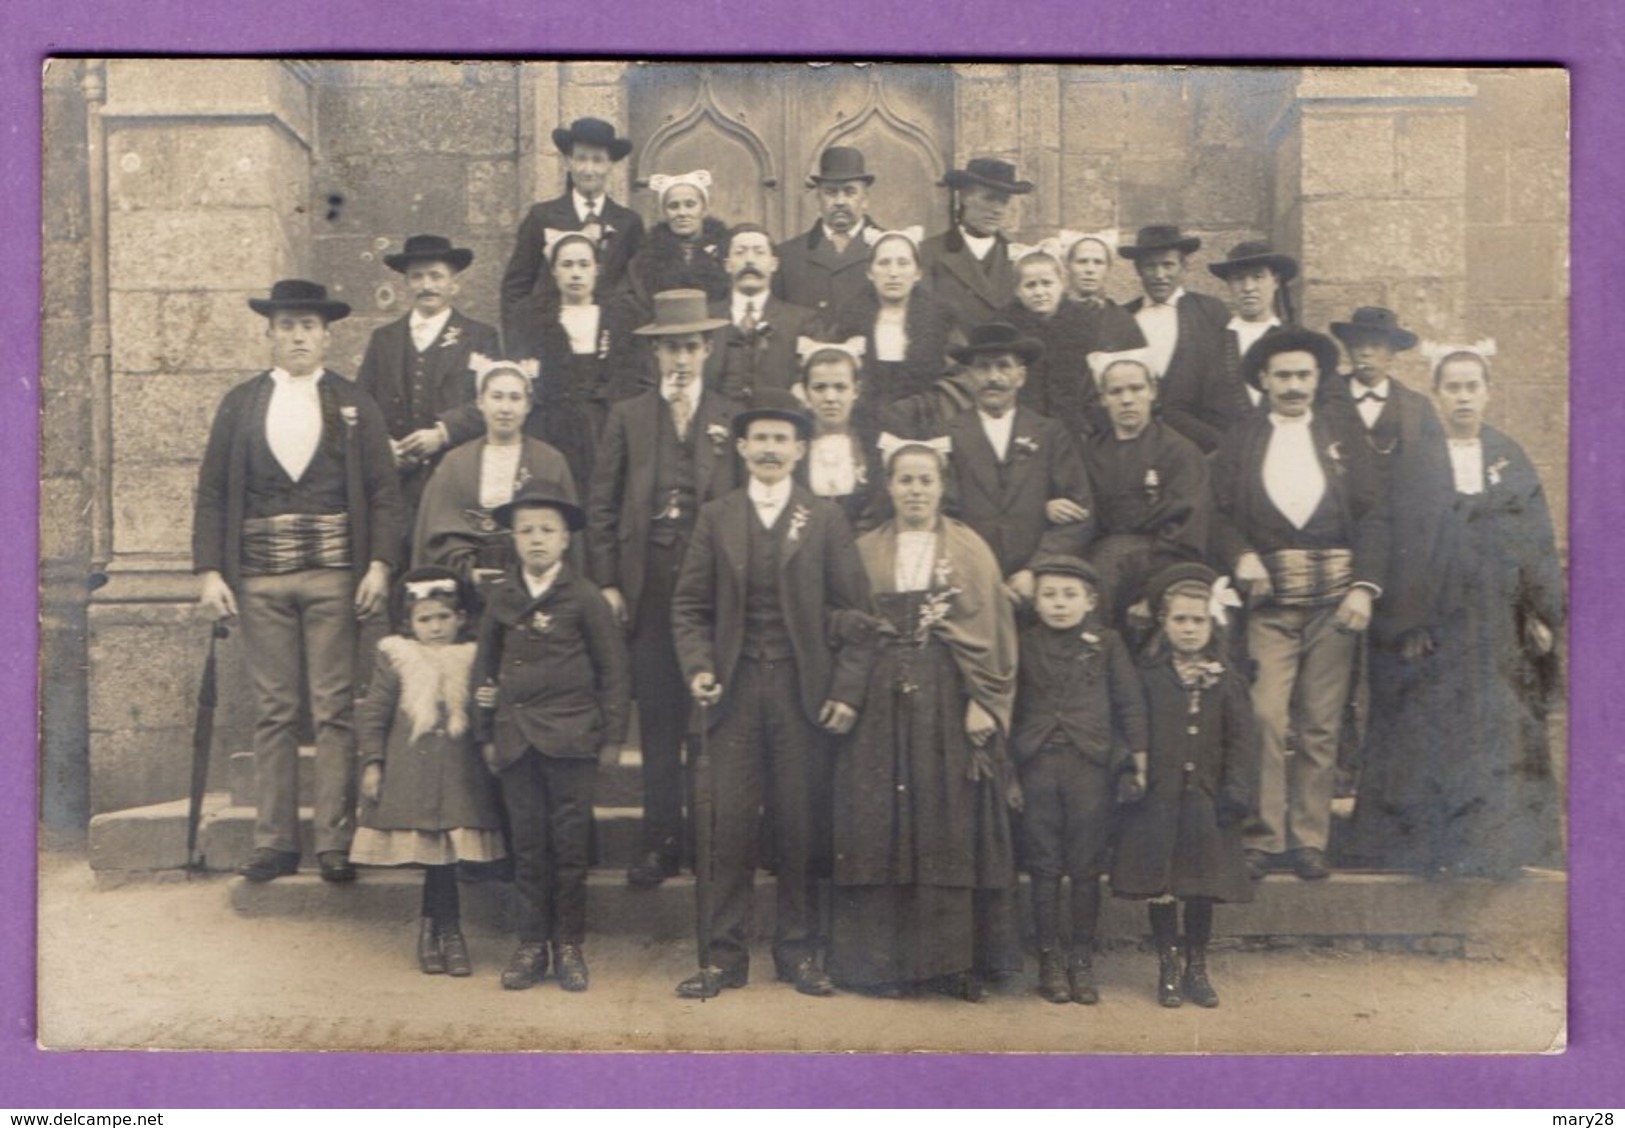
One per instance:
(756,270)
(769,460)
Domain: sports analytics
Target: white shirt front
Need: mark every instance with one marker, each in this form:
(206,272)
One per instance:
(538,585)
(998,431)
(758,303)
(1159,322)
(768,500)
(977,245)
(832,466)
(293,421)
(499,466)
(1370,409)
(891,335)
(582,204)
(916,558)
(581,326)
(1293,478)
(1247,335)
(1467,464)
(426,329)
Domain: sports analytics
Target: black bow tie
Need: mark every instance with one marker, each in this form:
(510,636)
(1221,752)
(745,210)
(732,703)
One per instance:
(1377,397)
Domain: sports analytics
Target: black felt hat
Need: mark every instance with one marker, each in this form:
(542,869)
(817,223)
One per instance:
(1189,571)
(436,248)
(1063,564)
(1245,256)
(1157,238)
(998,337)
(986,172)
(839,164)
(537,494)
(1322,347)
(774,403)
(591,131)
(295,294)
(1375,319)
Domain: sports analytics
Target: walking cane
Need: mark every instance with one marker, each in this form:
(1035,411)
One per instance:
(202,741)
(704,835)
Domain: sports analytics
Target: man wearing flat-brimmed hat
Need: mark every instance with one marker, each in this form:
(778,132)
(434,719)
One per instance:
(1019,479)
(825,268)
(417,366)
(662,455)
(1257,277)
(296,529)
(969,264)
(1301,520)
(1184,331)
(590,148)
(768,564)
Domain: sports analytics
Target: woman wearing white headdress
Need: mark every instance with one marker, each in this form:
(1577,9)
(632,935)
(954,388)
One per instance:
(685,250)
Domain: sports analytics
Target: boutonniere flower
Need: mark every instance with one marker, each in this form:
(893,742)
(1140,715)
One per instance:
(1493,471)
(1335,452)
(943,574)
(1025,444)
(934,607)
(541,622)
(860,472)
(1090,637)
(520,477)
(349,415)
(451,336)
(1153,480)
(710,249)
(603,344)
(718,434)
(798,521)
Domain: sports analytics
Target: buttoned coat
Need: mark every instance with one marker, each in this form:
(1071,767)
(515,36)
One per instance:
(560,665)
(621,500)
(386,370)
(528,277)
(977,290)
(1007,511)
(1197,394)
(737,366)
(814,275)
(1086,686)
(820,574)
(350,418)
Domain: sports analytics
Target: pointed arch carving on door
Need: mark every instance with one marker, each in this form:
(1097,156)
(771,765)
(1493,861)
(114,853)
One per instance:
(742,150)
(877,106)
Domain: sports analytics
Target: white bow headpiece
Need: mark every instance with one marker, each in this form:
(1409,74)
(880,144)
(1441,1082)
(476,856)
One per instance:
(854,347)
(1223,598)
(552,235)
(1436,351)
(890,444)
(482,365)
(1069,239)
(423,589)
(1053,247)
(1100,361)
(700,178)
(914,234)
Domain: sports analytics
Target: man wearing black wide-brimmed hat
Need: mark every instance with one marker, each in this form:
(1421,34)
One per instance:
(590,149)
(417,366)
(1184,331)
(296,529)
(969,264)
(1257,277)
(828,266)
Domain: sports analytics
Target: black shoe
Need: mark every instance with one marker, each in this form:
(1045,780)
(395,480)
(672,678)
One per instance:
(1169,980)
(454,949)
(336,866)
(1053,985)
(1258,864)
(1197,988)
(1310,864)
(268,864)
(431,958)
(966,985)
(651,870)
(808,977)
(1080,973)
(571,966)
(709,982)
(526,967)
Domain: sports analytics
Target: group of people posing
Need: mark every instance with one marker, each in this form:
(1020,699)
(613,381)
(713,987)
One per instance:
(924,562)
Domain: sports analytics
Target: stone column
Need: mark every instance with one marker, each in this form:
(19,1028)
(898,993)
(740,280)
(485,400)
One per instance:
(1013,113)
(207,180)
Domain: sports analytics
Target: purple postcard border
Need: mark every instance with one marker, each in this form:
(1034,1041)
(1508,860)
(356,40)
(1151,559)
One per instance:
(1588,38)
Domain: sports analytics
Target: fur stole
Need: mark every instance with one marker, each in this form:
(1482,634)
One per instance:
(929,327)
(434,683)
(666,262)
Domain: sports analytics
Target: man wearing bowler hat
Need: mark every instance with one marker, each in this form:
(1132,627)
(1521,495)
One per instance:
(767,566)
(296,528)
(590,148)
(662,455)
(1019,478)
(417,366)
(1301,519)
(1184,332)
(969,264)
(827,267)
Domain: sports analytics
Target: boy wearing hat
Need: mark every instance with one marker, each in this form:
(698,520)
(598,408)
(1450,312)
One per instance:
(662,456)
(1184,331)
(590,149)
(554,694)
(969,264)
(1301,519)
(767,566)
(1019,478)
(826,268)
(1080,711)
(417,367)
(297,526)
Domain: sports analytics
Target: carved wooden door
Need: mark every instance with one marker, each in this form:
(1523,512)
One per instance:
(759,130)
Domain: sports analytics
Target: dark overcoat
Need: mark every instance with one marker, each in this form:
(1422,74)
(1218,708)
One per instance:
(410,402)
(977,290)
(767,359)
(814,275)
(1198,396)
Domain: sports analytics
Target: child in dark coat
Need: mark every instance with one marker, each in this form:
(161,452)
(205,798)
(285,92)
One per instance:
(426,799)
(552,668)
(1079,707)
(1184,804)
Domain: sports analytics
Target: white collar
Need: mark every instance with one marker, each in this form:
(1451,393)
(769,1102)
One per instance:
(582,201)
(1292,421)
(1358,389)
(437,322)
(979,245)
(537,585)
(758,300)
(668,388)
(853,236)
(286,379)
(1239,324)
(1173,299)
(771,497)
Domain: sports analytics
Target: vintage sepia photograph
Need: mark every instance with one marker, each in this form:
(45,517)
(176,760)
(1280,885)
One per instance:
(967,556)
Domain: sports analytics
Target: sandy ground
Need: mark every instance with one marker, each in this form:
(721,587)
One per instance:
(172,966)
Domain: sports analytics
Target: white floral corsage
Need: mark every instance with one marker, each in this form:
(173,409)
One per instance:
(541,622)
(451,336)
(798,521)
(603,344)
(718,434)
(1335,452)
(350,416)
(1025,444)
(1493,471)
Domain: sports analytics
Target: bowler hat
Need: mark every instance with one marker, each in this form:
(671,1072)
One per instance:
(1063,564)
(591,131)
(838,164)
(998,337)
(678,312)
(987,173)
(1160,237)
(1187,572)
(435,248)
(292,294)
(538,494)
(1245,256)
(1375,319)
(774,403)
(1289,340)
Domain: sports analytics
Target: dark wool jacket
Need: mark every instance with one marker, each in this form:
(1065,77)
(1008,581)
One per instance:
(812,273)
(1059,384)
(665,262)
(560,665)
(386,370)
(1082,682)
(351,422)
(1195,396)
(976,290)
(931,331)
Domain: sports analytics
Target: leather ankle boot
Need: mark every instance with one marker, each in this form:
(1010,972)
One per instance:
(1080,973)
(1197,988)
(1168,976)
(430,958)
(1052,981)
